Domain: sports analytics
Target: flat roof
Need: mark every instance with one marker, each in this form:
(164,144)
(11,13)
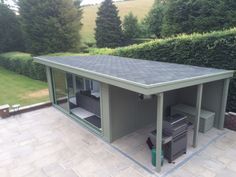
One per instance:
(144,75)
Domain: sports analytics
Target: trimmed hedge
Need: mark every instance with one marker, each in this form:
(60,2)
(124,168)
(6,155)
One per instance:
(22,63)
(215,49)
(101,51)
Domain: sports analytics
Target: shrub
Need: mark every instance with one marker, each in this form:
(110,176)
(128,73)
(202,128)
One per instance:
(216,49)
(22,63)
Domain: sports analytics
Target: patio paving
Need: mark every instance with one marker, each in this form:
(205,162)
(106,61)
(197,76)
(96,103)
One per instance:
(45,143)
(134,145)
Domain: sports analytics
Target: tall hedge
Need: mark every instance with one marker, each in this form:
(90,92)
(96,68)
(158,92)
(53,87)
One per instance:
(22,63)
(216,49)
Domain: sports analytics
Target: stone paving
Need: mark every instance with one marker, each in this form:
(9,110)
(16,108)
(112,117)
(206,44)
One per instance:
(45,143)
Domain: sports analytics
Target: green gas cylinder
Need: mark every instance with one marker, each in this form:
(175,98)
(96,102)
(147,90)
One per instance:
(154,157)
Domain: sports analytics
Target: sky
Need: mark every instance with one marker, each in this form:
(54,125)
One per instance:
(84,2)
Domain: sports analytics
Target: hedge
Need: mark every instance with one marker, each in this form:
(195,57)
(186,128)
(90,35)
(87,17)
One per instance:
(22,63)
(215,49)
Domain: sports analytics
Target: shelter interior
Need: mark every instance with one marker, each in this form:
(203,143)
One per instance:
(133,119)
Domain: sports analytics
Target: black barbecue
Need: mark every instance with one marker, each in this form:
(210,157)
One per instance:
(175,126)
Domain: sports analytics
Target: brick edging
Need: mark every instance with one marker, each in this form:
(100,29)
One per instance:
(31,108)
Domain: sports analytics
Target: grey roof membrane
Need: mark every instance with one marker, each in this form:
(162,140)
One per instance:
(135,70)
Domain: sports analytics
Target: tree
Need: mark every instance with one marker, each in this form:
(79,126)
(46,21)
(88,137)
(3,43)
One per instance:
(10,30)
(51,25)
(188,16)
(108,31)
(130,26)
(230,10)
(154,20)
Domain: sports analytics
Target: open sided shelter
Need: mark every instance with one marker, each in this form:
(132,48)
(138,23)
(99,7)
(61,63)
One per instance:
(114,96)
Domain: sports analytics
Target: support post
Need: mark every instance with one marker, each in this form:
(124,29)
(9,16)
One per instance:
(223,103)
(105,112)
(159,131)
(197,115)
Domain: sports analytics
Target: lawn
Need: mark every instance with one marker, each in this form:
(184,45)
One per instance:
(139,8)
(18,89)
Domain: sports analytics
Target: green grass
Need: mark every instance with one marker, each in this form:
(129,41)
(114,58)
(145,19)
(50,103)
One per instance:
(18,89)
(16,55)
(139,8)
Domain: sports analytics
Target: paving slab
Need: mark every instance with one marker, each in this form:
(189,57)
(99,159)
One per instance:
(46,143)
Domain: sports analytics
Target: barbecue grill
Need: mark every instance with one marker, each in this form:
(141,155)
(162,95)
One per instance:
(176,126)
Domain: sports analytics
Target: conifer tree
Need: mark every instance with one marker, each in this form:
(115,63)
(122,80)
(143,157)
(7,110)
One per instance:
(108,31)
(51,25)
(131,27)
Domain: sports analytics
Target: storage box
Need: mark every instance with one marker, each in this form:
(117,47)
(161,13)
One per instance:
(206,117)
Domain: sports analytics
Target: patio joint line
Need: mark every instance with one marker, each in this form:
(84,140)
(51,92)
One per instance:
(132,159)
(192,155)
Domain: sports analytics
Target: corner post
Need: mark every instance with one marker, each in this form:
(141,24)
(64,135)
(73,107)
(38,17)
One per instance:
(159,131)
(197,115)
(223,103)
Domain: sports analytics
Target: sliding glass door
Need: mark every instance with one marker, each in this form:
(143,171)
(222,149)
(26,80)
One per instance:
(78,96)
(60,89)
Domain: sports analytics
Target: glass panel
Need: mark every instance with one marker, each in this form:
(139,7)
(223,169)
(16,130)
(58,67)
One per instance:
(88,84)
(60,89)
(79,83)
(85,102)
(71,90)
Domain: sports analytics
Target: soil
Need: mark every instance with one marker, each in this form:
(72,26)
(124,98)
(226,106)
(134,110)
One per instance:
(37,94)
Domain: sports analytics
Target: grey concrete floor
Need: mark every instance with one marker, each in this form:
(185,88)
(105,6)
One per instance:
(45,143)
(134,145)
